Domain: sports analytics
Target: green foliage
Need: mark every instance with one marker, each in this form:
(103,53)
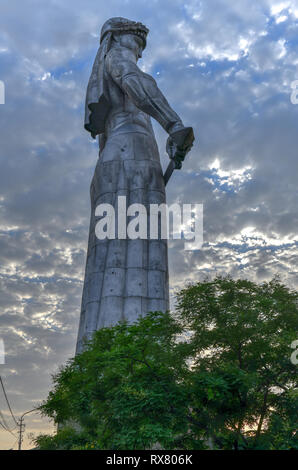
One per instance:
(124,390)
(66,439)
(217,374)
(242,374)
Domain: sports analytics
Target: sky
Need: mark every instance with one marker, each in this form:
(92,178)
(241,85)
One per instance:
(226,68)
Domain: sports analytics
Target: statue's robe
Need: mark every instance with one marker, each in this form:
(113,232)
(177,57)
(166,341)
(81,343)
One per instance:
(125,279)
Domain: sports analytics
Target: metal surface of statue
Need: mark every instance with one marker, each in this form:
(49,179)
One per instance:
(126,278)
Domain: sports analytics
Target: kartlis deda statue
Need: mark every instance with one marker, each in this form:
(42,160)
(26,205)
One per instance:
(126,278)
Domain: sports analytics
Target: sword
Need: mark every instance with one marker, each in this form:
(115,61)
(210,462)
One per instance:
(179,144)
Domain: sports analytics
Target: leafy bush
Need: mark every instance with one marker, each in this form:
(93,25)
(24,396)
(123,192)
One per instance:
(217,374)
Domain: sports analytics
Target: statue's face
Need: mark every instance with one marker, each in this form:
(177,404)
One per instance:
(132,42)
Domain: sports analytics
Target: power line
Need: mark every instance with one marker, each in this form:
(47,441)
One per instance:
(4,422)
(11,448)
(22,427)
(8,430)
(14,444)
(20,423)
(8,404)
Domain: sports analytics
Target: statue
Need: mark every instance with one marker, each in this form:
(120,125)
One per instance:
(126,278)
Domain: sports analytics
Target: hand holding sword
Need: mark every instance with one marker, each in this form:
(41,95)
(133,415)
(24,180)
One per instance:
(179,144)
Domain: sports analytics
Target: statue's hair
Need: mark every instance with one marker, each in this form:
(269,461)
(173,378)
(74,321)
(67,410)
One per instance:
(97,98)
(123,25)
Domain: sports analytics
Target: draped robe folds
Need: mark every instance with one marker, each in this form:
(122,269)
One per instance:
(124,278)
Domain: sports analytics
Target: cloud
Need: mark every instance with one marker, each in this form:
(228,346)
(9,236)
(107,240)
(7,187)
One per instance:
(227,70)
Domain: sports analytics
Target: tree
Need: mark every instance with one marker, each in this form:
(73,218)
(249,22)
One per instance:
(125,389)
(242,376)
(217,372)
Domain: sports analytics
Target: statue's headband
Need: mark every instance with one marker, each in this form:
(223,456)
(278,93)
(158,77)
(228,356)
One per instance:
(122,25)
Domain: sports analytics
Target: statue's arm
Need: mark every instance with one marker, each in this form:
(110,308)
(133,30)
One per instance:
(142,90)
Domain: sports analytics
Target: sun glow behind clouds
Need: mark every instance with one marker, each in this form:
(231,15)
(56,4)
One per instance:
(232,179)
(252,237)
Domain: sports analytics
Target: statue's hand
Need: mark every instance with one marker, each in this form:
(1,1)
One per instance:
(179,144)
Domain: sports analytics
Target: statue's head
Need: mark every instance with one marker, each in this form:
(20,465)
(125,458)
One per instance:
(131,34)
